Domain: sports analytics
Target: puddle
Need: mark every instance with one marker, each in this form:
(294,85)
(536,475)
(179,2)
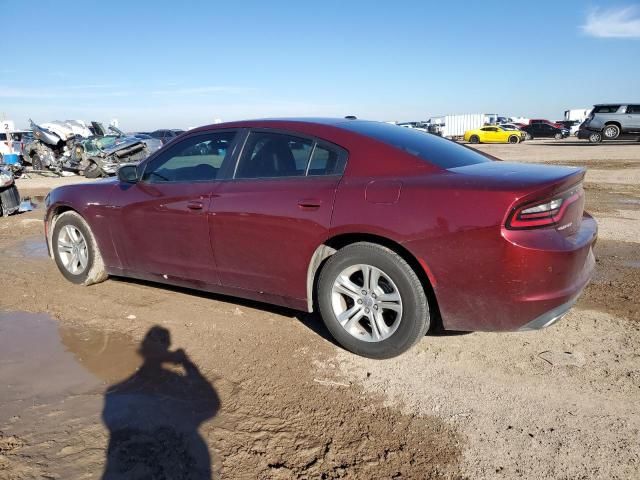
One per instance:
(33,247)
(43,361)
(632,263)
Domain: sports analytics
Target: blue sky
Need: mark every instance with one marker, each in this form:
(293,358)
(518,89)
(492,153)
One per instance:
(182,64)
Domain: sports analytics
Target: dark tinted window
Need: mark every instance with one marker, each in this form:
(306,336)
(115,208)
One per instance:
(436,150)
(633,109)
(3,136)
(195,159)
(325,161)
(268,155)
(606,109)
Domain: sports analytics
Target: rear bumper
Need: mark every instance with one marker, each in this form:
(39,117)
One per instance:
(524,281)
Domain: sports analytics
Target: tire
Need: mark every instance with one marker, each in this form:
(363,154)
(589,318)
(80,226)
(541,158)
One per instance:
(36,162)
(474,139)
(595,137)
(528,136)
(402,326)
(92,170)
(514,139)
(611,132)
(93,270)
(558,136)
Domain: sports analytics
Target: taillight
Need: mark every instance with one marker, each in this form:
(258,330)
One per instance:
(544,213)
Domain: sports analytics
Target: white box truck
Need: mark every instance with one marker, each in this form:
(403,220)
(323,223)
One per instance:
(456,125)
(578,114)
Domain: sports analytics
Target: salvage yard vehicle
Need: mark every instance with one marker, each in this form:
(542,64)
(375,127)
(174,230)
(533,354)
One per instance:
(494,134)
(544,130)
(72,146)
(385,231)
(608,121)
(9,196)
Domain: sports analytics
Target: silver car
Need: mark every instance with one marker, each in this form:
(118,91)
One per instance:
(608,121)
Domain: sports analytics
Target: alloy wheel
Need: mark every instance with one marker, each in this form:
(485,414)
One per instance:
(367,303)
(73,250)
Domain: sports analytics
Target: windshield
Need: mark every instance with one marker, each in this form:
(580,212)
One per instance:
(431,148)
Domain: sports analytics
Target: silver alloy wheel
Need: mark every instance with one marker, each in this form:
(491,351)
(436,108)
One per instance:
(611,131)
(367,303)
(73,249)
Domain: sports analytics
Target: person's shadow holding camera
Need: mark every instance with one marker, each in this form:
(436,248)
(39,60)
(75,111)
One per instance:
(154,415)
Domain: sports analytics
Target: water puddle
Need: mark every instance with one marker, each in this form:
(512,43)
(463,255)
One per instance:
(43,361)
(33,247)
(632,263)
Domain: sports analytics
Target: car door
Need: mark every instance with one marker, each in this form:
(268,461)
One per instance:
(162,219)
(490,134)
(270,217)
(632,122)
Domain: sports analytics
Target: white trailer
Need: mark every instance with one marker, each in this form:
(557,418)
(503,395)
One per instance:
(579,114)
(456,125)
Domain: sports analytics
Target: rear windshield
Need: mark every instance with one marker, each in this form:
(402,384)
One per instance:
(431,148)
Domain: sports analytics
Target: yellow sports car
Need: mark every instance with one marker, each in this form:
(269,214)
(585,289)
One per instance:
(494,134)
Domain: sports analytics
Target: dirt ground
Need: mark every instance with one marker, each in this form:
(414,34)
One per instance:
(262,392)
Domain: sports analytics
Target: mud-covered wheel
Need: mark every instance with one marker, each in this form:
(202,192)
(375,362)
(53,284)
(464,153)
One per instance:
(372,301)
(474,139)
(595,137)
(75,250)
(514,139)
(92,170)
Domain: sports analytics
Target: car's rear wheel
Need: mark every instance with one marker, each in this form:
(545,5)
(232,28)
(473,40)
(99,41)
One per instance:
(372,301)
(514,139)
(595,137)
(611,132)
(474,139)
(75,250)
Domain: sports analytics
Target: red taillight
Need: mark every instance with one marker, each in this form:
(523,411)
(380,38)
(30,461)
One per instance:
(544,213)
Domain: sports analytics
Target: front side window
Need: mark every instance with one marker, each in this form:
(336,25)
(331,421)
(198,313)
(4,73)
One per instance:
(272,155)
(195,159)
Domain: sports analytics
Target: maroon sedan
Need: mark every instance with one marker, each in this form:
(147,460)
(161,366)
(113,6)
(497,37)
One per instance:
(384,230)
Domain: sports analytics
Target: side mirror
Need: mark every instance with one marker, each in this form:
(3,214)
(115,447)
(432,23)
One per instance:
(128,173)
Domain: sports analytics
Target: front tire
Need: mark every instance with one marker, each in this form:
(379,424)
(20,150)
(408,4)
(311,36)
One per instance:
(558,136)
(75,250)
(611,132)
(372,301)
(92,170)
(36,162)
(514,139)
(595,137)
(528,136)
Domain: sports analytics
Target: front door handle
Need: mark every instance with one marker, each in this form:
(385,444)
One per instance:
(194,205)
(309,204)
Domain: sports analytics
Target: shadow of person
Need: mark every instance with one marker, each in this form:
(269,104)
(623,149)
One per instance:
(153,416)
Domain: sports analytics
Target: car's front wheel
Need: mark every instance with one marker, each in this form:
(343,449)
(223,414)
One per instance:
(75,250)
(514,139)
(372,301)
(558,136)
(528,136)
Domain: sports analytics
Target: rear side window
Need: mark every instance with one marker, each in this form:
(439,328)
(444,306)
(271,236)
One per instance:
(324,161)
(431,148)
(606,109)
(269,155)
(633,109)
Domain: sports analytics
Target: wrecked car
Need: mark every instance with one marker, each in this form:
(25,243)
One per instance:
(9,196)
(73,146)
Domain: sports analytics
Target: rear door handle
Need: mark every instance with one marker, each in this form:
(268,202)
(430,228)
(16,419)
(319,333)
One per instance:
(194,205)
(309,204)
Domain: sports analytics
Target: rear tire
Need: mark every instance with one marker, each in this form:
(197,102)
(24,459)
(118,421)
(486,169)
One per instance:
(595,137)
(389,313)
(611,132)
(75,250)
(474,139)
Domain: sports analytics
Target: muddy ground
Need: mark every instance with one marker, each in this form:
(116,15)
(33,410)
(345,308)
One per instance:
(261,392)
